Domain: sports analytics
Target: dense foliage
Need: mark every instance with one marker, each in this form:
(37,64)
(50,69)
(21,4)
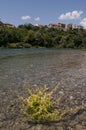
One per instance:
(27,35)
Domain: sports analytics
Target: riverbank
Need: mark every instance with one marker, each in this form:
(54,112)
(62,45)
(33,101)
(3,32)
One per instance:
(38,69)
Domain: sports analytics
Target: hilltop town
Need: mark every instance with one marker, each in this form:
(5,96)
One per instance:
(52,25)
(63,26)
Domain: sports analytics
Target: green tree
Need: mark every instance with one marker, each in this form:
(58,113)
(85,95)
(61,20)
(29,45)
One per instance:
(30,37)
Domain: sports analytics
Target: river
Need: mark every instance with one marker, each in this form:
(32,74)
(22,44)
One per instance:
(39,67)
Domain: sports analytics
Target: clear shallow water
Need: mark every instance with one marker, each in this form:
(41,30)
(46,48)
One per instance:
(36,66)
(39,67)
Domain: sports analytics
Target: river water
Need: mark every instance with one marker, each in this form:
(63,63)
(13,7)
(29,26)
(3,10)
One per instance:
(39,67)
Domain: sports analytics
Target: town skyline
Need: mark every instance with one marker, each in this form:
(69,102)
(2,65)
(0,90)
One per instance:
(53,25)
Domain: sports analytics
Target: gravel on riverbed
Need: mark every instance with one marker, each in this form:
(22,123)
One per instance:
(73,85)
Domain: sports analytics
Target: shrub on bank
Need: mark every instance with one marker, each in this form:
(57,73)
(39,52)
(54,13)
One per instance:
(19,45)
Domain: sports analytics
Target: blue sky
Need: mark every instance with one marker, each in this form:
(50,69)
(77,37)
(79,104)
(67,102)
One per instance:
(43,11)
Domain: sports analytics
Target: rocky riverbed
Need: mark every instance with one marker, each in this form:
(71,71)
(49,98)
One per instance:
(70,71)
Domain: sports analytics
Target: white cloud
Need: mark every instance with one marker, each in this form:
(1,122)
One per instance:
(25,17)
(83,22)
(71,15)
(37,19)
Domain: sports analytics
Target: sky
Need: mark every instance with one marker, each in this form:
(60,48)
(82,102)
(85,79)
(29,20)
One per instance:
(43,12)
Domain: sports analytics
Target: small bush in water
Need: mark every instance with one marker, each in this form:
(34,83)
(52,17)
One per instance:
(39,106)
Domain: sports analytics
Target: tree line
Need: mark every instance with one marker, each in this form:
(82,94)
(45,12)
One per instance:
(28,35)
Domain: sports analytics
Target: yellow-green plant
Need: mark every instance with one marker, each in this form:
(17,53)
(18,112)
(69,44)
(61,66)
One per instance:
(39,106)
